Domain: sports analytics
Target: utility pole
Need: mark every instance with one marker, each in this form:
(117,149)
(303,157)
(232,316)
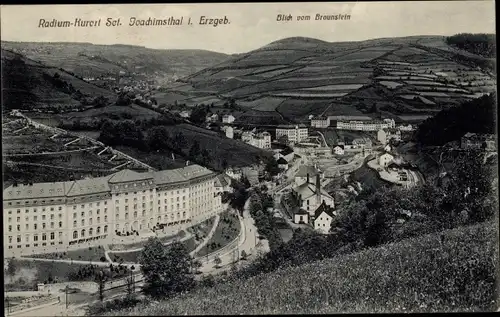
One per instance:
(8,304)
(66,291)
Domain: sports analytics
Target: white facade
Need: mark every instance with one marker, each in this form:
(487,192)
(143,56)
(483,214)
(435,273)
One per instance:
(295,134)
(385,159)
(339,150)
(55,217)
(365,125)
(301,217)
(320,122)
(323,222)
(385,135)
(407,127)
(261,140)
(229,132)
(228,118)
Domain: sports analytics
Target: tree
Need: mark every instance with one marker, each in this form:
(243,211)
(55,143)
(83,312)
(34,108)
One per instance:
(224,164)
(243,255)
(12,268)
(198,115)
(194,151)
(167,270)
(196,265)
(158,138)
(244,180)
(272,167)
(101,278)
(217,261)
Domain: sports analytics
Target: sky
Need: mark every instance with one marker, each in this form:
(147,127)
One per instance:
(252,25)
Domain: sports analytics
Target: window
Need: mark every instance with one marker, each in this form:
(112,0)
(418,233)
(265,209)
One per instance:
(74,224)
(74,207)
(98,211)
(98,219)
(126,216)
(52,236)
(27,226)
(18,219)
(91,231)
(60,224)
(44,236)
(43,217)
(83,222)
(18,227)
(74,215)
(98,230)
(117,216)
(18,239)
(60,208)
(52,225)
(90,221)
(105,228)
(10,219)
(35,226)
(75,234)
(83,233)
(83,214)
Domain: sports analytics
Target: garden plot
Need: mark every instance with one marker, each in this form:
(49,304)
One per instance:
(273,73)
(310,95)
(445,89)
(394,63)
(390,84)
(228,73)
(326,77)
(361,56)
(423,83)
(417,97)
(334,87)
(432,94)
(262,104)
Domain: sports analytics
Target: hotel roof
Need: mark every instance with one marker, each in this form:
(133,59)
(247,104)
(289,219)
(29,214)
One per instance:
(101,184)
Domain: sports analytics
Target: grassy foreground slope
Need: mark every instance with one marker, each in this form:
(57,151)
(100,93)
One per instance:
(450,271)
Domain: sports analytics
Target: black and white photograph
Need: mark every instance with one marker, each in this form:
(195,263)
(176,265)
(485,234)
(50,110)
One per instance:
(249,158)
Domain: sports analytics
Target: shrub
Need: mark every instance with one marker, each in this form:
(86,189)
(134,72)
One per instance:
(116,304)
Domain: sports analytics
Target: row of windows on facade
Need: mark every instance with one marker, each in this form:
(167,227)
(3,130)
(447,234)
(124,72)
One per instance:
(35,218)
(60,235)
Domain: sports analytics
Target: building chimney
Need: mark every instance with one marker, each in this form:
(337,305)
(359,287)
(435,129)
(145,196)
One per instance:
(318,190)
(307,181)
(187,163)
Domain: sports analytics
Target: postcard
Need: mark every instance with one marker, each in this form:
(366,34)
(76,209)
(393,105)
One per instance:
(249,158)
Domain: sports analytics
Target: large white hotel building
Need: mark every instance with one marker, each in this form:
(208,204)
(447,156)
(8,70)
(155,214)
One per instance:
(55,217)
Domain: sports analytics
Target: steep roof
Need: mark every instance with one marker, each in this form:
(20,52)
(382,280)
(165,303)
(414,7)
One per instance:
(127,175)
(37,190)
(339,146)
(89,186)
(281,160)
(301,212)
(306,169)
(324,208)
(307,190)
(220,180)
(286,151)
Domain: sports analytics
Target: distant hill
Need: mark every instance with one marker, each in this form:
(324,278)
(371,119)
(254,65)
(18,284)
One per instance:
(85,59)
(297,77)
(28,84)
(424,274)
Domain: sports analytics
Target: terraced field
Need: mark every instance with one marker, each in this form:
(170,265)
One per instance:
(311,75)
